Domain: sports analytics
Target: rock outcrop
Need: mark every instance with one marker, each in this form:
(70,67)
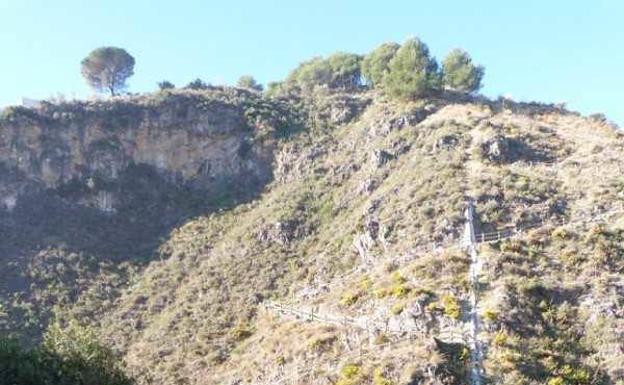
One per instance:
(204,141)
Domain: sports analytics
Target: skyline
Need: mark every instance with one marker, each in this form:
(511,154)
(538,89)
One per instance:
(552,53)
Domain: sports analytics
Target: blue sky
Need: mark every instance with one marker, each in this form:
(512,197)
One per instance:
(553,51)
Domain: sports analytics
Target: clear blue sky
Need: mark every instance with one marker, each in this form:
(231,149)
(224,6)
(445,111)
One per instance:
(553,51)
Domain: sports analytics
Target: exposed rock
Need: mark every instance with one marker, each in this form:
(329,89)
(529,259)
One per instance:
(292,162)
(368,185)
(496,149)
(446,142)
(379,158)
(190,138)
(282,232)
(385,126)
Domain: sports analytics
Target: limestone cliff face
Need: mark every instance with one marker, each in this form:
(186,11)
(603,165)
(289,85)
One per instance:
(204,141)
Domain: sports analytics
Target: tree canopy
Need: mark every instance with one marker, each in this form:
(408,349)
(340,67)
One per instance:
(165,85)
(247,81)
(197,84)
(406,71)
(375,64)
(412,72)
(339,71)
(106,69)
(460,73)
(345,72)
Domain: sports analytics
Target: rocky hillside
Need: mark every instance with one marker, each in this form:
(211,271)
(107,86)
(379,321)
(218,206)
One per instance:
(224,237)
(92,187)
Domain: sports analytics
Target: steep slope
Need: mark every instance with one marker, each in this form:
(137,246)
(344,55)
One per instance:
(88,189)
(347,267)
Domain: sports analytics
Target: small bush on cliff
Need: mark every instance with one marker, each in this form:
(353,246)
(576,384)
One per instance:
(412,72)
(460,73)
(249,82)
(197,84)
(165,85)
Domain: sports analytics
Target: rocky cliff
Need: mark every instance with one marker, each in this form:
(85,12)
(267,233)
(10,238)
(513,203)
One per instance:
(201,140)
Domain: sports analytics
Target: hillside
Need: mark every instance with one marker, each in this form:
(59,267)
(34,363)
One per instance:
(186,227)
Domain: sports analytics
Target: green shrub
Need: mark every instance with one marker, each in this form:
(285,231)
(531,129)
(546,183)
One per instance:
(397,308)
(68,356)
(165,85)
(560,233)
(490,315)
(375,64)
(349,299)
(197,84)
(379,378)
(451,305)
(349,374)
(241,331)
(460,73)
(400,291)
(412,72)
(247,81)
(500,338)
(339,71)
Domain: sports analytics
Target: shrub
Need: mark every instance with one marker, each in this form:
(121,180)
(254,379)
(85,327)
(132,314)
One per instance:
(381,293)
(321,343)
(339,71)
(500,338)
(247,81)
(400,291)
(345,70)
(350,370)
(349,299)
(379,378)
(511,246)
(556,381)
(83,360)
(412,72)
(560,233)
(68,356)
(375,64)
(241,331)
(349,375)
(490,315)
(460,73)
(451,305)
(274,88)
(397,308)
(165,85)
(197,84)
(366,284)
(398,278)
